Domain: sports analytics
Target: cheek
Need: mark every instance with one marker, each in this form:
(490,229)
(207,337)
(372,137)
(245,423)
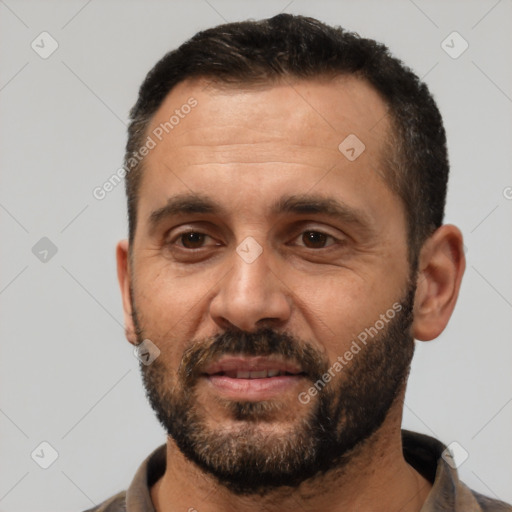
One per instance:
(338,307)
(166,309)
(164,295)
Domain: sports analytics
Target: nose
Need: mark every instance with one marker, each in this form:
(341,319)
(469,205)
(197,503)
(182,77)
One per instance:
(251,296)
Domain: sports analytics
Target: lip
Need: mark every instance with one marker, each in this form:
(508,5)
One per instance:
(251,364)
(220,375)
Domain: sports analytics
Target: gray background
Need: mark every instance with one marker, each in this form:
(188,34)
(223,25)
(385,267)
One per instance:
(68,377)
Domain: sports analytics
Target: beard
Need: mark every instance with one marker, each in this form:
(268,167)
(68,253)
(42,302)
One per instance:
(246,454)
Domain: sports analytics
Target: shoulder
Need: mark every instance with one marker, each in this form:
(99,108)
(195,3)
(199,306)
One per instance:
(116,503)
(434,461)
(137,496)
(491,505)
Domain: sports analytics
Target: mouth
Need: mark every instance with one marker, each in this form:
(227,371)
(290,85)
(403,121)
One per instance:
(252,378)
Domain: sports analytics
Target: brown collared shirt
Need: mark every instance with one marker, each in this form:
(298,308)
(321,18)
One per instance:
(422,452)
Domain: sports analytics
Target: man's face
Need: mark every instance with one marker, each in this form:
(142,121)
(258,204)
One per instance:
(261,254)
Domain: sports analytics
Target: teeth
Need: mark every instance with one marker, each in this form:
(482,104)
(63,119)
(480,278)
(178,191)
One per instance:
(259,374)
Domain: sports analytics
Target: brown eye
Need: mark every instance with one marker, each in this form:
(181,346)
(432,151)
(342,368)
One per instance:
(314,239)
(192,240)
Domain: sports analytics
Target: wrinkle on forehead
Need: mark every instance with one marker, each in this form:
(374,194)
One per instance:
(293,130)
(302,113)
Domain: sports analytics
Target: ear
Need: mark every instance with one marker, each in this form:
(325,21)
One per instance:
(441,267)
(124,277)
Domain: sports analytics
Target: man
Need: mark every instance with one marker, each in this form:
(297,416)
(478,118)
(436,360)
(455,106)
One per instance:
(286,184)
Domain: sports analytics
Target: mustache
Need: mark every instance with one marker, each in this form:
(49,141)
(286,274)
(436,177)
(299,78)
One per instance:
(264,342)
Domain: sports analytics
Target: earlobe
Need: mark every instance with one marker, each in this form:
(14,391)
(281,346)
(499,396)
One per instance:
(441,267)
(124,278)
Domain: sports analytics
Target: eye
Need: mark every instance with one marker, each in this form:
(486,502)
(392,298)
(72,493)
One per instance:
(188,245)
(316,239)
(191,240)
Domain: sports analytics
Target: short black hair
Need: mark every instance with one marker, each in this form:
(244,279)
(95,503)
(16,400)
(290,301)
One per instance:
(297,47)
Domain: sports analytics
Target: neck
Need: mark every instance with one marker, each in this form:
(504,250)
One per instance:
(377,478)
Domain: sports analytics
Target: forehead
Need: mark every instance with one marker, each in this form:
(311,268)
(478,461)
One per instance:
(320,112)
(286,137)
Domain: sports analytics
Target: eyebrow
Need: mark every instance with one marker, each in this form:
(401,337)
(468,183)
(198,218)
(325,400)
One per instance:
(322,205)
(188,203)
(194,203)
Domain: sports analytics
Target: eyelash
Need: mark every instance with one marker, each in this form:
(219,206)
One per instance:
(185,233)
